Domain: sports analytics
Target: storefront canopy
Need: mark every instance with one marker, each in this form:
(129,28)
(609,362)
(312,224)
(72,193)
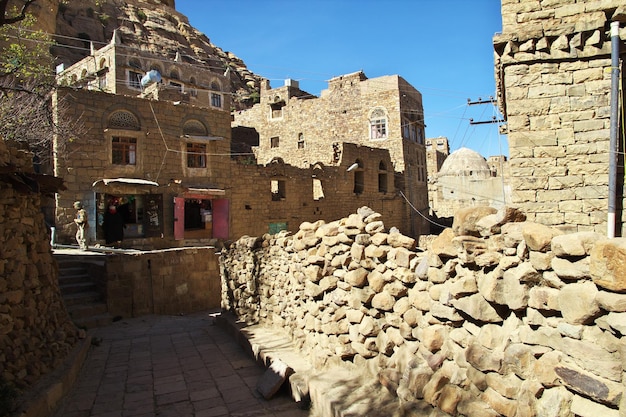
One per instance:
(193,192)
(134,181)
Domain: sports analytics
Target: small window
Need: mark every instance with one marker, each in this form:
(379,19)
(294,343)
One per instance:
(196,155)
(277,110)
(278,190)
(318,190)
(216,100)
(382,177)
(300,141)
(102,82)
(174,75)
(193,92)
(274,142)
(378,124)
(178,86)
(123,150)
(359,178)
(134,79)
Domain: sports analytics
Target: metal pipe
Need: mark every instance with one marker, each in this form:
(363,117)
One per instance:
(613,145)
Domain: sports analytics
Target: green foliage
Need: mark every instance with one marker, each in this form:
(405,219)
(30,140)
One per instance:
(25,55)
(8,394)
(103,18)
(141,15)
(255,97)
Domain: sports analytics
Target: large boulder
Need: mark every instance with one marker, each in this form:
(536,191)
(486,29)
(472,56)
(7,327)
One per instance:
(466,219)
(607,264)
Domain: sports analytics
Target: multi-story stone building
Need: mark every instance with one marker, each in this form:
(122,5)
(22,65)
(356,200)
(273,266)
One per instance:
(302,130)
(160,152)
(553,70)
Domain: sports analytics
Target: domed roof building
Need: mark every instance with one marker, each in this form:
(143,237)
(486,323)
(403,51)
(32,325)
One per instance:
(466,180)
(466,163)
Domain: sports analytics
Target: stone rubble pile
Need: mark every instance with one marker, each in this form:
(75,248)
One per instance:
(499,316)
(36,332)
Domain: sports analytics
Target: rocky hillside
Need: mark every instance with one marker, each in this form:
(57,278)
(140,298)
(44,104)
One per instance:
(152,25)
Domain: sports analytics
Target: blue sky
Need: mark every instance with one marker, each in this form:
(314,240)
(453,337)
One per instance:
(442,47)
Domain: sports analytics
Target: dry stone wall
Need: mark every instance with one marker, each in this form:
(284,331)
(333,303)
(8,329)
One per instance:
(36,333)
(500,316)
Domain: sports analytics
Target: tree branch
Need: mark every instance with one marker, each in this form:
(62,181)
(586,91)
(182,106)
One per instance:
(13,19)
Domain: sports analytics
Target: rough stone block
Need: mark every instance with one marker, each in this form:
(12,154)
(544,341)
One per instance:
(273,378)
(608,264)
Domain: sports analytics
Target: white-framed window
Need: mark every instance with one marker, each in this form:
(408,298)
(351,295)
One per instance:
(378,124)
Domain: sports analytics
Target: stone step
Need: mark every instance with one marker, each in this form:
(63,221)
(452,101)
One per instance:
(86,297)
(78,287)
(93,321)
(74,278)
(81,311)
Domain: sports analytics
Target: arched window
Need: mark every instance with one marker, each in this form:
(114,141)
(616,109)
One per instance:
(194,127)
(318,189)
(123,119)
(378,124)
(103,63)
(174,75)
(134,63)
(359,177)
(157,68)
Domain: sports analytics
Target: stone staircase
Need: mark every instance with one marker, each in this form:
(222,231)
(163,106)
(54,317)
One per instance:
(84,301)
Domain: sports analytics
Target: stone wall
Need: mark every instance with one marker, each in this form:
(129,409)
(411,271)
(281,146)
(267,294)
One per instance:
(173,281)
(253,209)
(500,316)
(553,70)
(36,333)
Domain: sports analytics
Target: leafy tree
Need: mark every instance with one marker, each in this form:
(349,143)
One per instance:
(27,80)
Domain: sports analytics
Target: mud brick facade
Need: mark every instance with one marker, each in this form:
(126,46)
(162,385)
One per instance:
(553,70)
(306,131)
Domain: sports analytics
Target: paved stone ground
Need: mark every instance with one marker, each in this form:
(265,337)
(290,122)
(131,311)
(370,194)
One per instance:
(170,366)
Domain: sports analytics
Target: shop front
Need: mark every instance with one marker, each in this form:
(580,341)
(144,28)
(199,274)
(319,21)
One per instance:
(201,213)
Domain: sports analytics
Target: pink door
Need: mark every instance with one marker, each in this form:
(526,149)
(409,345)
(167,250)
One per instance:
(220,219)
(179,218)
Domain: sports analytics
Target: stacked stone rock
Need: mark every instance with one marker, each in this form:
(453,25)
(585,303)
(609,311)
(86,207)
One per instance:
(36,332)
(498,317)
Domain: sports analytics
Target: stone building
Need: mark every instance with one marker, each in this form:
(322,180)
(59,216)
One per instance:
(305,131)
(553,71)
(157,148)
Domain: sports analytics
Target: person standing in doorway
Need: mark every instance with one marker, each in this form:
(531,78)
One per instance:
(113,227)
(82,224)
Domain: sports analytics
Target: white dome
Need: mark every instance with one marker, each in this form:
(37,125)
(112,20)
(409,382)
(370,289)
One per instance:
(465,162)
